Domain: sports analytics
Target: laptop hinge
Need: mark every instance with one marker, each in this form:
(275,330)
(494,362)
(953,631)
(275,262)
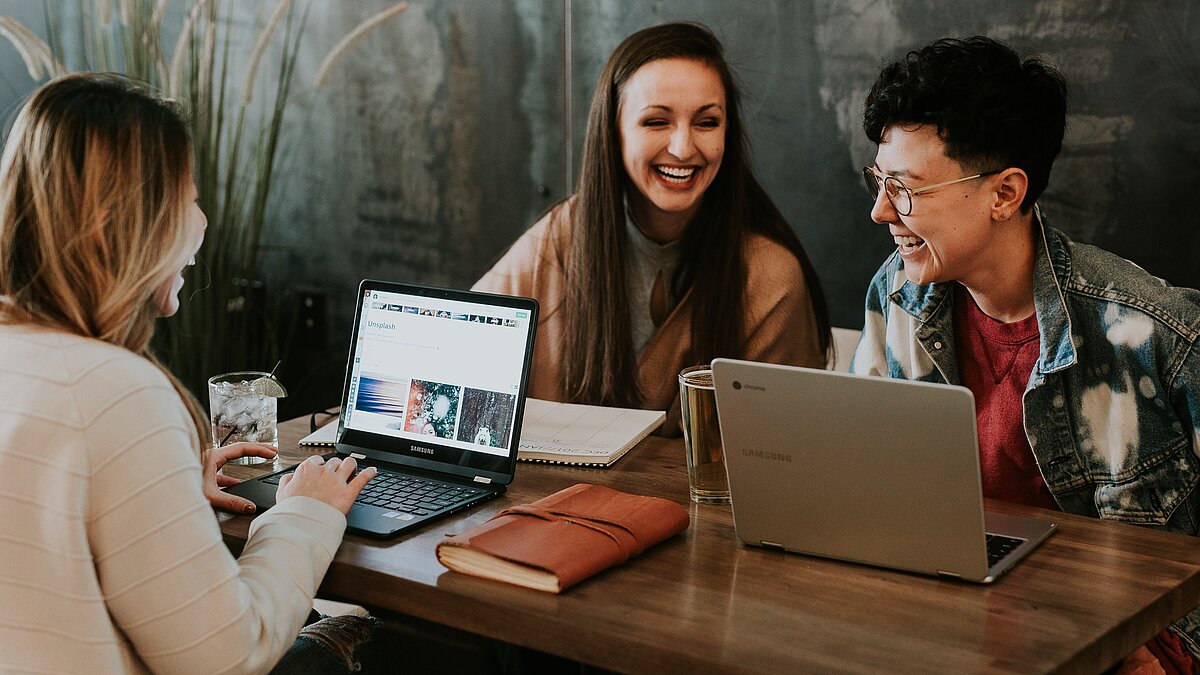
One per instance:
(771,544)
(482,479)
(943,573)
(356,455)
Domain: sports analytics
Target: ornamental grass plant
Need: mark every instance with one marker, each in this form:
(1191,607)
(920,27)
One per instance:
(232,65)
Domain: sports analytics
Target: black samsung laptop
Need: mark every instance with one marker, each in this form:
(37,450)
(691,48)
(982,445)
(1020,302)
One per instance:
(434,395)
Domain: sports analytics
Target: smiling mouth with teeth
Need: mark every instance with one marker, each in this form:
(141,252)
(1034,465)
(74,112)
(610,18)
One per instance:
(908,244)
(677,175)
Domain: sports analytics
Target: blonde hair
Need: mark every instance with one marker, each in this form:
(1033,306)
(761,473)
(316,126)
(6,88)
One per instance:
(94,186)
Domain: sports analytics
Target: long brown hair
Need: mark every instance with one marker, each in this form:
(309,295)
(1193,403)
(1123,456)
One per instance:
(600,362)
(94,185)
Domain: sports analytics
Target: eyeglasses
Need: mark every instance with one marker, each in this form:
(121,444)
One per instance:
(900,196)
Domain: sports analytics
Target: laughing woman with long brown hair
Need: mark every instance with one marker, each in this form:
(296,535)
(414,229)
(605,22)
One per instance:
(670,253)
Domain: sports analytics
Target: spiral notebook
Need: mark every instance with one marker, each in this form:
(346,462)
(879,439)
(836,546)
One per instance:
(325,436)
(583,435)
(562,433)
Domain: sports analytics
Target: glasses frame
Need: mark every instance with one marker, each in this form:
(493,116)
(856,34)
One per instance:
(877,182)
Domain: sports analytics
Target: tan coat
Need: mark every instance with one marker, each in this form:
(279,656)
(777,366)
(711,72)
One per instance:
(780,323)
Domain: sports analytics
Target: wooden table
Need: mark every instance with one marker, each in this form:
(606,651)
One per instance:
(702,602)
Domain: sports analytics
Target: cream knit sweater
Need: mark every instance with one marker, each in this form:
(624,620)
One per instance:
(110,557)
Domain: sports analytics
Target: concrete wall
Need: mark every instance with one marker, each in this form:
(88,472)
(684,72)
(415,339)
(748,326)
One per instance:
(444,134)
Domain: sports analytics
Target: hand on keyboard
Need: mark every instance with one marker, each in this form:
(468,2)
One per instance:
(404,493)
(333,482)
(213,460)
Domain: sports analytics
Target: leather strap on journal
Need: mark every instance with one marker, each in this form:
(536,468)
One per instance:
(624,539)
(576,532)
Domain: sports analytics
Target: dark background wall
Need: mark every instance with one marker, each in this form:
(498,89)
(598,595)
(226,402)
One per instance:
(449,130)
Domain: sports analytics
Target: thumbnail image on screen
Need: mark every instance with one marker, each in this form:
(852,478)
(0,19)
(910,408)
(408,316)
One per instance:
(381,396)
(432,409)
(487,417)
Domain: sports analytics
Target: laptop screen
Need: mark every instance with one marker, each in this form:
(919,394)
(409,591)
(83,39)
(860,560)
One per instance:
(438,376)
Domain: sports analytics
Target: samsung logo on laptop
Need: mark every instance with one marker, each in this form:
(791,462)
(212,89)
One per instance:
(421,449)
(765,454)
(751,387)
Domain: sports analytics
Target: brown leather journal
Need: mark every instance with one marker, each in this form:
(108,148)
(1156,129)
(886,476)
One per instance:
(560,540)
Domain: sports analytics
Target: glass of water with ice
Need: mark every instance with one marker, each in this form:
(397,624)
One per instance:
(243,407)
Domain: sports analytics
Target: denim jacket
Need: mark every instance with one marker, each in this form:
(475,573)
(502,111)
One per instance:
(1112,406)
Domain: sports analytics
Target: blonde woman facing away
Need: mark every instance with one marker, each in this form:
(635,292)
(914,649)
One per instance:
(669,253)
(111,560)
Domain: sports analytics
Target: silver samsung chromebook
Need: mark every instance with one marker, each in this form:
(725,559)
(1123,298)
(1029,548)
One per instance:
(864,469)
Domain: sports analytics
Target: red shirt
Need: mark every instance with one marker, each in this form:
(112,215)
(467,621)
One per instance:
(995,360)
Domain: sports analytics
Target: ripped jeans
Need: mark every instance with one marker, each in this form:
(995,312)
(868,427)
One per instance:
(333,645)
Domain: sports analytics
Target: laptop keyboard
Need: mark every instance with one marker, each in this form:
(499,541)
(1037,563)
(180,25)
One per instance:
(409,494)
(999,546)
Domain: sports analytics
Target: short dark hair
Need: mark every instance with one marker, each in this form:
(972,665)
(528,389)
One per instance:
(992,109)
